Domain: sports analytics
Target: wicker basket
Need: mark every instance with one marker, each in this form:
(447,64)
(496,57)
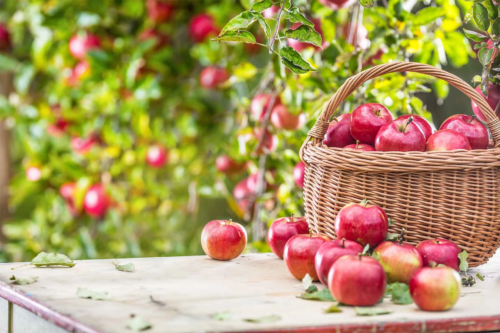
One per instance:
(451,194)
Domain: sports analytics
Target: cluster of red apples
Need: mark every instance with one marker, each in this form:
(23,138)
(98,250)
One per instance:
(371,127)
(353,278)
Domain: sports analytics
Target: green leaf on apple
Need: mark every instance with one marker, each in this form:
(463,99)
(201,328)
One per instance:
(137,324)
(322,295)
(263,320)
(295,16)
(90,294)
(24,280)
(222,316)
(332,309)
(480,14)
(479,276)
(125,266)
(236,36)
(305,34)
(368,311)
(464,265)
(400,293)
(263,23)
(262,5)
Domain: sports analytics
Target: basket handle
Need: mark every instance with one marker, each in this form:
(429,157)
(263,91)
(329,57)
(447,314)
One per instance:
(354,82)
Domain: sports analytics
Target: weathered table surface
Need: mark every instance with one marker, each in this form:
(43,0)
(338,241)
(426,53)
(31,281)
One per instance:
(192,289)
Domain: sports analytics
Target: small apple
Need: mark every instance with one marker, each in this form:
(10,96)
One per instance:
(337,4)
(363,223)
(299,254)
(475,132)
(260,104)
(96,201)
(330,252)
(5,43)
(400,260)
(159,11)
(212,77)
(339,132)
(439,251)
(283,119)
(67,191)
(156,156)
(271,11)
(400,135)
(270,142)
(78,73)
(435,289)
(367,119)
(359,147)
(357,280)
(282,230)
(80,44)
(374,59)
(33,173)
(82,146)
(298,174)
(492,99)
(160,39)
(223,240)
(226,165)
(201,27)
(424,125)
(300,46)
(447,139)
(58,128)
(245,191)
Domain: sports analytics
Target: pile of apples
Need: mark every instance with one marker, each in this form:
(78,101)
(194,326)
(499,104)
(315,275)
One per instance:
(353,278)
(371,127)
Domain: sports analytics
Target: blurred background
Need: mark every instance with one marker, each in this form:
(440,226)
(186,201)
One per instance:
(125,128)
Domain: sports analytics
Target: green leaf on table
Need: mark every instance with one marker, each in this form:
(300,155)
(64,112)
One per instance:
(474,35)
(24,280)
(124,266)
(368,311)
(90,294)
(240,21)
(332,309)
(294,61)
(322,296)
(236,36)
(137,324)
(480,14)
(295,16)
(400,293)
(222,316)
(307,281)
(367,3)
(495,27)
(479,276)
(263,320)
(263,23)
(262,5)
(52,259)
(485,55)
(305,34)
(464,265)
(428,15)
(491,8)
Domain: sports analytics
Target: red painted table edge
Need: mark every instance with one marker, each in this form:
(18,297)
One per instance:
(467,324)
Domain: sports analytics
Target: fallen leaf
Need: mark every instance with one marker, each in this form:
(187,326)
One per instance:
(332,309)
(125,266)
(391,236)
(400,293)
(263,320)
(222,316)
(367,311)
(23,281)
(366,249)
(322,295)
(49,259)
(137,324)
(479,276)
(95,295)
(464,265)
(307,281)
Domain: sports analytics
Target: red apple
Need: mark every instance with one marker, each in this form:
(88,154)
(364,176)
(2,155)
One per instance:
(299,254)
(330,252)
(80,44)
(367,119)
(339,132)
(160,39)
(475,132)
(435,289)
(299,46)
(359,147)
(400,260)
(424,125)
(156,156)
(283,119)
(282,230)
(201,27)
(212,77)
(78,73)
(337,4)
(67,191)
(362,39)
(492,99)
(447,139)
(223,240)
(400,135)
(357,280)
(299,173)
(260,104)
(96,201)
(4,38)
(363,223)
(439,251)
(244,192)
(270,142)
(58,128)
(271,11)
(372,60)
(159,11)
(226,165)
(33,173)
(82,146)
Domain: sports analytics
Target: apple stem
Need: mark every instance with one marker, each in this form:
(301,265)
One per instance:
(401,236)
(310,232)
(408,122)
(343,242)
(291,218)
(365,202)
(228,222)
(437,241)
(377,112)
(357,144)
(472,118)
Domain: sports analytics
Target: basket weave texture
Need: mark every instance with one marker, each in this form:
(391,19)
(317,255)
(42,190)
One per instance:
(448,194)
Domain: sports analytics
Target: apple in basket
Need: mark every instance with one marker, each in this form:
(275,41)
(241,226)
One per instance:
(400,260)
(359,147)
(282,230)
(367,119)
(330,252)
(447,139)
(424,125)
(473,129)
(339,132)
(400,135)
(363,223)
(299,254)
(439,251)
(223,239)
(435,289)
(357,280)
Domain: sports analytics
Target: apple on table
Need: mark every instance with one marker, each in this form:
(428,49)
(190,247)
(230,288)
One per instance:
(299,254)
(330,252)
(436,289)
(439,251)
(223,239)
(282,230)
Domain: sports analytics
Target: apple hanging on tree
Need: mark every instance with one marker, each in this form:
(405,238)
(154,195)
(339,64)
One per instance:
(269,142)
(282,230)
(78,73)
(5,43)
(201,27)
(223,239)
(160,39)
(82,43)
(475,132)
(299,174)
(96,201)
(271,11)
(58,128)
(82,146)
(330,252)
(366,121)
(156,156)
(159,11)
(212,77)
(439,251)
(281,118)
(226,165)
(447,139)
(299,254)
(260,104)
(67,192)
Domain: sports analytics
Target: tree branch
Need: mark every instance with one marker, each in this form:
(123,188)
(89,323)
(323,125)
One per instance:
(271,42)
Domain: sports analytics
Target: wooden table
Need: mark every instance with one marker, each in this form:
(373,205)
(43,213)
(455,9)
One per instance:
(189,290)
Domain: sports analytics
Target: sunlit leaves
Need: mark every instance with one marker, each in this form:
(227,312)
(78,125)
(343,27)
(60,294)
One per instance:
(263,23)
(236,36)
(480,14)
(367,3)
(485,55)
(428,15)
(262,5)
(295,16)
(474,35)
(240,21)
(294,61)
(495,27)
(305,34)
